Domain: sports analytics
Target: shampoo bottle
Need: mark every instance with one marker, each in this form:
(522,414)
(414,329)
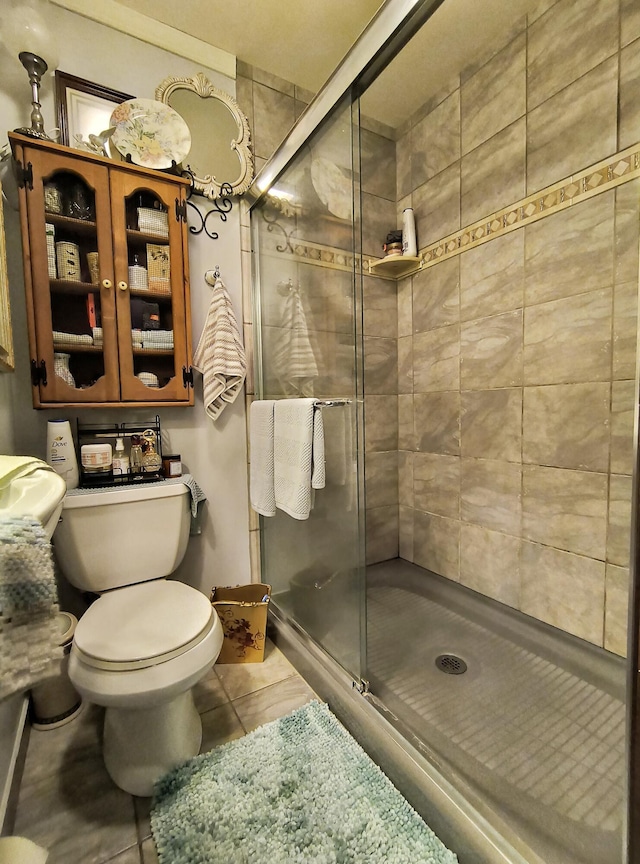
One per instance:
(61,453)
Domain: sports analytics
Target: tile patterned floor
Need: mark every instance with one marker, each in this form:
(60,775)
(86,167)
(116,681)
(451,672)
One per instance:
(69,805)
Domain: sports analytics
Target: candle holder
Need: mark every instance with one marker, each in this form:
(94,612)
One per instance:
(36,67)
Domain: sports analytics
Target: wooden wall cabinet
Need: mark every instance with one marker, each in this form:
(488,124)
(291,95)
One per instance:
(106,277)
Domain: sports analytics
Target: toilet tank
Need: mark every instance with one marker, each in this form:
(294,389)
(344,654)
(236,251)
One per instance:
(109,538)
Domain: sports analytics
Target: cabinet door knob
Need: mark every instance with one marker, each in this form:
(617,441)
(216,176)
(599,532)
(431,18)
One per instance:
(107,283)
(122,286)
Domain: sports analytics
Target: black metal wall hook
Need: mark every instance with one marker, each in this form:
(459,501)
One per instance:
(221,207)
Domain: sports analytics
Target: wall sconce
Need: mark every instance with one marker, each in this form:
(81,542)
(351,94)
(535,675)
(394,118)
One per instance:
(25,34)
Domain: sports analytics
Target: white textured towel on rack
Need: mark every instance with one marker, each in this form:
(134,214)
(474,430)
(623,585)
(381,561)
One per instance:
(298,453)
(261,491)
(220,354)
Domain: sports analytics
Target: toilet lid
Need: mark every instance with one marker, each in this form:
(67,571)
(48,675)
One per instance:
(143,621)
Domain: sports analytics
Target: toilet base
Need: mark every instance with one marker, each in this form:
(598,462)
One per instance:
(140,745)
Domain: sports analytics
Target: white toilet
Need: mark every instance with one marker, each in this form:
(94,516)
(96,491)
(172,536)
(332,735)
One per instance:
(143,644)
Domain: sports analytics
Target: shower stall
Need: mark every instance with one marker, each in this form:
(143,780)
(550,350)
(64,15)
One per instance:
(469,565)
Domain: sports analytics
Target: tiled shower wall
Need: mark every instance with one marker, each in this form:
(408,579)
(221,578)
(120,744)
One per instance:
(517,359)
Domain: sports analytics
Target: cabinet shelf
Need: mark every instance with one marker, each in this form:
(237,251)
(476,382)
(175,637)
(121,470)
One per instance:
(153,352)
(136,236)
(77,226)
(147,292)
(76,348)
(67,286)
(395,266)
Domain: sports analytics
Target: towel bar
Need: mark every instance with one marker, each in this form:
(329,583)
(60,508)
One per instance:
(330,403)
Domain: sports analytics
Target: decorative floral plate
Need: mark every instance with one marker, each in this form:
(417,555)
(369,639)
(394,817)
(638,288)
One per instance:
(152,133)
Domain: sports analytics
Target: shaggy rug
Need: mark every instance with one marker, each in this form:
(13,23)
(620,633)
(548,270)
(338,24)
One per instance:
(299,789)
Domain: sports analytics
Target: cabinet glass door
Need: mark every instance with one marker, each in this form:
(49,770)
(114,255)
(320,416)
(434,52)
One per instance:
(74,308)
(150,288)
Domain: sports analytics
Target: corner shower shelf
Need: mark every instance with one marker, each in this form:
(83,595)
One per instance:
(395,266)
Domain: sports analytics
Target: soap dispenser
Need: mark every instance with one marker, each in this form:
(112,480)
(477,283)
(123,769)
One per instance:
(120,460)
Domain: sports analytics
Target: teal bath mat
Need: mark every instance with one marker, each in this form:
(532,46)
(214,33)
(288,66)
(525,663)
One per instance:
(300,789)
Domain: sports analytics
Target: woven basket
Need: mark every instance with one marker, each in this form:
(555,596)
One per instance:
(68,258)
(153,221)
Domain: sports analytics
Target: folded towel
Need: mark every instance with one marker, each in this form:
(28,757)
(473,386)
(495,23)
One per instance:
(59,337)
(298,454)
(293,359)
(261,457)
(28,605)
(220,354)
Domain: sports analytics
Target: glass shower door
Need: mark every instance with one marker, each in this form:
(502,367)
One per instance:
(307,284)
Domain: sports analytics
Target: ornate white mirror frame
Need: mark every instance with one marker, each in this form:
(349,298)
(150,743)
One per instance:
(211,184)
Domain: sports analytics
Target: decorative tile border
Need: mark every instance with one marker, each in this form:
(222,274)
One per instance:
(617,169)
(601,177)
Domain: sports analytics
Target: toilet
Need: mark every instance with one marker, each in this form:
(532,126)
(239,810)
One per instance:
(145,642)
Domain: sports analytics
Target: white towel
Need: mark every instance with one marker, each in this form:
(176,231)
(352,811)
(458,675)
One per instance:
(220,354)
(261,492)
(298,454)
(293,359)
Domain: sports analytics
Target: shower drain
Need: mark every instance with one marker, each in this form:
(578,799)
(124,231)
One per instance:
(451,664)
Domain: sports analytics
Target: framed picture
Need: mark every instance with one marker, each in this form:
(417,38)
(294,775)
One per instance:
(84,108)
(6,336)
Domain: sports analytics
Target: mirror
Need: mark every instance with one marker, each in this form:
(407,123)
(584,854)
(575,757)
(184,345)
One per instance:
(219,134)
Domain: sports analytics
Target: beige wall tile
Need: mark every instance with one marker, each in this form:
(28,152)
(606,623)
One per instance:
(436,544)
(625,325)
(436,360)
(406,533)
(405,307)
(437,206)
(492,277)
(273,117)
(490,494)
(381,422)
(437,422)
(405,479)
(567,426)
(485,190)
(556,263)
(403,165)
(630,21)
(382,534)
(569,340)
(406,433)
(382,479)
(565,590)
(565,509)
(436,296)
(491,424)
(380,308)
(616,609)
(380,365)
(405,364)
(574,128)
(627,230)
(491,352)
(623,398)
(378,218)
(619,535)
(490,563)
(377,165)
(495,96)
(436,484)
(436,140)
(629,118)
(568,41)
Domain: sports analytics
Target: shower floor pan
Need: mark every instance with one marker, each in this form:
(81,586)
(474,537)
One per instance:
(532,722)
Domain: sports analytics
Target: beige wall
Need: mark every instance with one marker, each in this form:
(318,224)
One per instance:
(517,359)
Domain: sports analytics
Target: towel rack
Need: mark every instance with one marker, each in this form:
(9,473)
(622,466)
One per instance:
(331,403)
(212,276)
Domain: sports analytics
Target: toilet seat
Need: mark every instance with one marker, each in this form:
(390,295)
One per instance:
(142,625)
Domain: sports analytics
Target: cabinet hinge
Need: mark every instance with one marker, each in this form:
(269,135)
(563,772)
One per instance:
(187,376)
(181,210)
(24,175)
(38,373)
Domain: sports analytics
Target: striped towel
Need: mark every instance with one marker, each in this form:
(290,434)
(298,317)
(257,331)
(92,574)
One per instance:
(28,605)
(293,359)
(220,354)
(261,490)
(298,455)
